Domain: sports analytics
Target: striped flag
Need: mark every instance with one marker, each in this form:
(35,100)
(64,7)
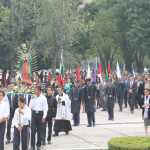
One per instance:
(61,70)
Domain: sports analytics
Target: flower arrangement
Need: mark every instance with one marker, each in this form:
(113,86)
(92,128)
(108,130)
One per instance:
(23,90)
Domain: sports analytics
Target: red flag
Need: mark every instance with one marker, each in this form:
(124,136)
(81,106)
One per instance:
(5,82)
(77,74)
(61,70)
(109,70)
(100,69)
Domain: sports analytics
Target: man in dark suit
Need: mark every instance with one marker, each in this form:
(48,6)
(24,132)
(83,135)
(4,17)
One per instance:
(120,85)
(131,89)
(51,114)
(47,82)
(13,105)
(44,89)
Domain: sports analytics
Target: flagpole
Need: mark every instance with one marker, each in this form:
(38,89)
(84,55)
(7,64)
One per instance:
(61,29)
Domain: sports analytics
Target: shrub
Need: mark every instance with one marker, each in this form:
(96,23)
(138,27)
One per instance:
(129,143)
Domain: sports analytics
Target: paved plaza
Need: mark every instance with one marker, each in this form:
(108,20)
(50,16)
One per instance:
(125,124)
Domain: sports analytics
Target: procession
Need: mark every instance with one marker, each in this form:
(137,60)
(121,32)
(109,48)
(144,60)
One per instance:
(74,74)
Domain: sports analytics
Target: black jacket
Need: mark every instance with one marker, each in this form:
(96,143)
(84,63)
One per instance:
(142,103)
(141,89)
(52,106)
(120,88)
(134,87)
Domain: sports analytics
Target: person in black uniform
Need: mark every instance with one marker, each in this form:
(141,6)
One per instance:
(51,114)
(110,92)
(56,90)
(76,97)
(13,106)
(89,99)
(44,89)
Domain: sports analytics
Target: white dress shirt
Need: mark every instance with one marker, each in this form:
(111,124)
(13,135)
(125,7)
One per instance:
(5,99)
(24,118)
(4,109)
(39,104)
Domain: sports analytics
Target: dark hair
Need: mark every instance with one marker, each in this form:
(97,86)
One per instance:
(147,89)
(2,92)
(131,76)
(50,87)
(22,99)
(61,88)
(39,87)
(1,86)
(13,83)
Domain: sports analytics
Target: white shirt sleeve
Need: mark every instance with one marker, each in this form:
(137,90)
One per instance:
(31,103)
(27,114)
(45,107)
(15,119)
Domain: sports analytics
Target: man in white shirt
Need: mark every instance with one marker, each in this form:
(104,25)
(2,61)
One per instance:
(5,99)
(4,112)
(22,125)
(39,112)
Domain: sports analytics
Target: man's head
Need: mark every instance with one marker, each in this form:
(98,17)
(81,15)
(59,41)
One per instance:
(1,87)
(149,80)
(43,84)
(37,90)
(104,79)
(60,90)
(145,80)
(88,81)
(2,94)
(110,83)
(21,102)
(110,75)
(136,74)
(12,85)
(76,83)
(146,92)
(92,78)
(136,80)
(146,76)
(131,78)
(49,91)
(128,75)
(119,80)
(125,76)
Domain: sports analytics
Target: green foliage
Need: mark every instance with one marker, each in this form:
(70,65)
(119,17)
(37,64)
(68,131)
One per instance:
(129,143)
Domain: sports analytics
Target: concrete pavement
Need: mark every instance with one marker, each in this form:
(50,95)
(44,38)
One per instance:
(125,124)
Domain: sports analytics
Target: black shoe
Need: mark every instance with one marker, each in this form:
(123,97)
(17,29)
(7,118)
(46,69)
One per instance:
(12,141)
(39,148)
(89,125)
(67,133)
(120,110)
(125,107)
(49,142)
(109,118)
(56,134)
(7,142)
(132,112)
(74,125)
(32,148)
(94,124)
(103,110)
(78,124)
(43,143)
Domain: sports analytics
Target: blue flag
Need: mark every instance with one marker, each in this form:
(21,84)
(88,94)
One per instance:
(132,72)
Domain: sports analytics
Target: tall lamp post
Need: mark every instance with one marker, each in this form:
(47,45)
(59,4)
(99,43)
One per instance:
(61,29)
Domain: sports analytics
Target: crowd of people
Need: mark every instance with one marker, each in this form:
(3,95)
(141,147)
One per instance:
(52,102)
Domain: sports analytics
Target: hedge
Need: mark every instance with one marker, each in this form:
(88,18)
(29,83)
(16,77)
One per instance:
(129,143)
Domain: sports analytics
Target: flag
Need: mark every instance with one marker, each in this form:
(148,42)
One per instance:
(77,73)
(118,71)
(122,68)
(94,74)
(109,70)
(124,71)
(100,73)
(61,70)
(132,72)
(106,75)
(89,73)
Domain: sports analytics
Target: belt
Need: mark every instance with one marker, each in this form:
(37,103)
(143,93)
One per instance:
(90,97)
(37,111)
(75,98)
(110,96)
(24,126)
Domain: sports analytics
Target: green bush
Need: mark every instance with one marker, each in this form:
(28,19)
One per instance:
(129,143)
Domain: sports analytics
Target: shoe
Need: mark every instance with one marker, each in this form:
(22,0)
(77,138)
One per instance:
(103,110)
(32,148)
(7,142)
(94,124)
(78,124)
(12,141)
(56,134)
(136,108)
(38,148)
(89,125)
(125,107)
(67,133)
(43,143)
(49,142)
(109,119)
(132,112)
(120,110)
(74,125)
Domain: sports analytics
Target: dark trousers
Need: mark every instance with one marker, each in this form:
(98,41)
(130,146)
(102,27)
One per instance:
(120,101)
(2,132)
(25,139)
(91,116)
(49,120)
(137,100)
(36,124)
(131,101)
(110,112)
(9,123)
(98,103)
(125,99)
(76,118)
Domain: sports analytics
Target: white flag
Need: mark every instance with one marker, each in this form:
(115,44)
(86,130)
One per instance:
(89,73)
(118,71)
